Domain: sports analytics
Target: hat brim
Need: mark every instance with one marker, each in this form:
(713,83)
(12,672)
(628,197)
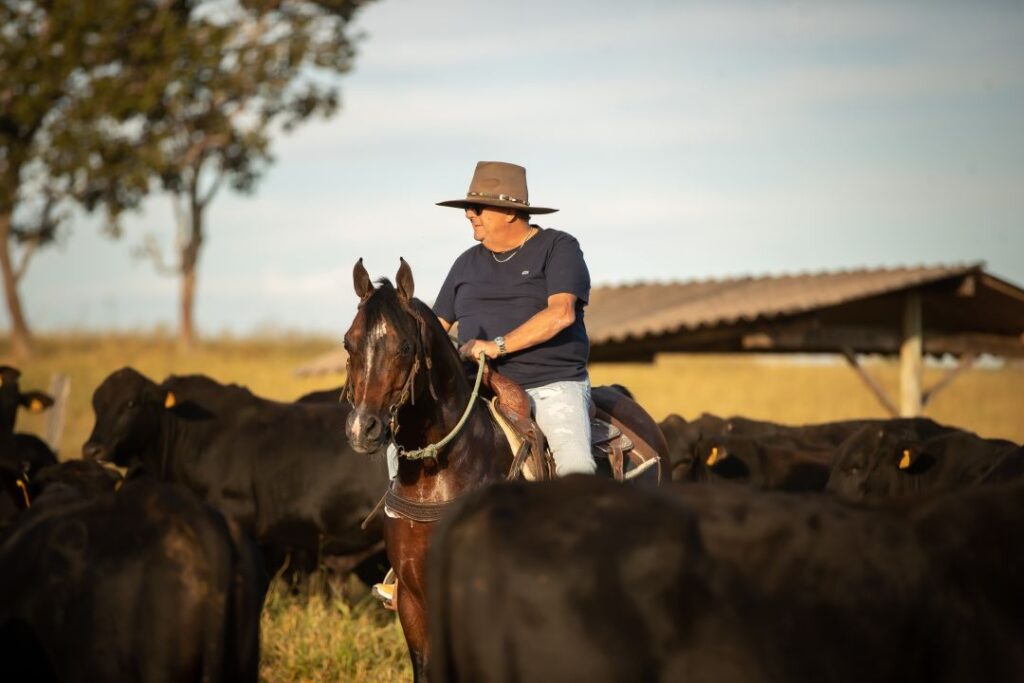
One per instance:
(501,204)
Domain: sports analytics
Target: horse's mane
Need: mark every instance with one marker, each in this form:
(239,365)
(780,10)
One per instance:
(385,302)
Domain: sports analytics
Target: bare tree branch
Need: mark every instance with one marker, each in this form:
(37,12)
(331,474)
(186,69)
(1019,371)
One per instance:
(26,255)
(150,250)
(212,192)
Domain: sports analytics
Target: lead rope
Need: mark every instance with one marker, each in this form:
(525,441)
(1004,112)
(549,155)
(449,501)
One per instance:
(430,450)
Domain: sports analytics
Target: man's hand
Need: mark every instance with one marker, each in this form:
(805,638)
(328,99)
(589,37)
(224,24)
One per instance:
(473,347)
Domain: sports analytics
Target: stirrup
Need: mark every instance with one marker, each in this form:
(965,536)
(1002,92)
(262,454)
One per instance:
(387,590)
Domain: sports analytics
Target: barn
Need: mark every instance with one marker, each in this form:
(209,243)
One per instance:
(959,311)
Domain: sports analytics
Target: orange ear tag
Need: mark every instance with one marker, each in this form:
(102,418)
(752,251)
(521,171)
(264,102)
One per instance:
(905,460)
(170,401)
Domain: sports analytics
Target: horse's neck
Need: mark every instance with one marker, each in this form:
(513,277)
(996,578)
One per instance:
(471,457)
(441,395)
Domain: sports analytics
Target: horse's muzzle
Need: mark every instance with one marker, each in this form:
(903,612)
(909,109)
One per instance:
(365,431)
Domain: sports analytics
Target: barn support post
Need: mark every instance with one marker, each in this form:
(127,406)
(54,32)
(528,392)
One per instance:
(869,381)
(911,356)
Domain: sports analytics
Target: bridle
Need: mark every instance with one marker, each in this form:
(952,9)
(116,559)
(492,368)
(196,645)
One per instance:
(408,395)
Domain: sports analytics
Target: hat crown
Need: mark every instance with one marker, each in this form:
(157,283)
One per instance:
(499,180)
(499,184)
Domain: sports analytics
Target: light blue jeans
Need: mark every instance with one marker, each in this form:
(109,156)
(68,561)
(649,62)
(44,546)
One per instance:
(562,409)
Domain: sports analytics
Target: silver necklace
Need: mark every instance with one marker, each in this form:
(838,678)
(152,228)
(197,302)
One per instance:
(509,258)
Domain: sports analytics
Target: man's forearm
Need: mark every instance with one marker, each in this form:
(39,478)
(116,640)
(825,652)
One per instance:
(543,326)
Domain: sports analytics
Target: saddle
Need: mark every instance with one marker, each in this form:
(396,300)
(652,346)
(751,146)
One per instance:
(611,446)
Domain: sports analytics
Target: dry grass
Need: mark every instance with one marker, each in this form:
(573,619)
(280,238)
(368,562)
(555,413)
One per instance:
(355,640)
(307,640)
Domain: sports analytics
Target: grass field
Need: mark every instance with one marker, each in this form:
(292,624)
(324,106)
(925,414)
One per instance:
(351,638)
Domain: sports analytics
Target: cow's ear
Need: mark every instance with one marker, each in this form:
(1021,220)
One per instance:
(913,460)
(907,459)
(361,280)
(404,280)
(170,400)
(35,401)
(716,454)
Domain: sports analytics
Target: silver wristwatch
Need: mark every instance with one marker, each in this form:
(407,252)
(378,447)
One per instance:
(500,341)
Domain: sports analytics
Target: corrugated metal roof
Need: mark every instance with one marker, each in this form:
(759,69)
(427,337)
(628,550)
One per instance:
(649,311)
(619,313)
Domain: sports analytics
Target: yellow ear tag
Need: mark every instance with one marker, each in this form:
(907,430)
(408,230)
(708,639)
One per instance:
(905,460)
(36,406)
(170,401)
(713,458)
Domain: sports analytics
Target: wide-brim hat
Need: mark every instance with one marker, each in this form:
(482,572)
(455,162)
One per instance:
(497,183)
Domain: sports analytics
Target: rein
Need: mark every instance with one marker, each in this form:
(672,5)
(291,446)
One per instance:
(431,450)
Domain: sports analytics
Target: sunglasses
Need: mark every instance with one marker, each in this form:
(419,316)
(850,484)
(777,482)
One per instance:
(475,209)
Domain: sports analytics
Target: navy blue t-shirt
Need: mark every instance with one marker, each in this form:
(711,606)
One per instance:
(489,299)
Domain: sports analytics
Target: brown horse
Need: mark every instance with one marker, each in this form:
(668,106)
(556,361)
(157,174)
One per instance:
(406,382)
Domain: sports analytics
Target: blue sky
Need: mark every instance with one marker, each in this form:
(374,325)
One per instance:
(679,139)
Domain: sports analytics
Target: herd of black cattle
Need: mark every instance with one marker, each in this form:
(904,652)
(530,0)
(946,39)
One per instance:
(868,550)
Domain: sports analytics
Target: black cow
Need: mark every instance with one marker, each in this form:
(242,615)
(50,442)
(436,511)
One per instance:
(768,463)
(876,463)
(283,471)
(144,584)
(14,496)
(724,584)
(19,450)
(80,479)
(322,396)
(686,438)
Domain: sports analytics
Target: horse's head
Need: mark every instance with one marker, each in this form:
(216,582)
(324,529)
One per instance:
(386,348)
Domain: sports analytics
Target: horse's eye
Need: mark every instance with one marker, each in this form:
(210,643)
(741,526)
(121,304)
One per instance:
(132,403)
(406,348)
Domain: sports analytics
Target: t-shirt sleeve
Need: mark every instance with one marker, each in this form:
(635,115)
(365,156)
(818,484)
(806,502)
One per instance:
(444,305)
(566,271)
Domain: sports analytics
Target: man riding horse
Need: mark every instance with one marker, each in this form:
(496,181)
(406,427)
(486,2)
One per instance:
(518,297)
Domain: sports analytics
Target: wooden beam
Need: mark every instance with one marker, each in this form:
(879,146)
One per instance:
(60,390)
(869,381)
(966,361)
(911,354)
(832,339)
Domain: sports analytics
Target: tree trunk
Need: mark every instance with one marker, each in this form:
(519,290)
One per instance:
(189,260)
(21,337)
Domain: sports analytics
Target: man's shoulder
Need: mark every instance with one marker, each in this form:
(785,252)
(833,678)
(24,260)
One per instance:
(553,234)
(466,258)
(556,237)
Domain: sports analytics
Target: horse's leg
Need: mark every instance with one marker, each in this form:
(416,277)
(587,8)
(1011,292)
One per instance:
(407,549)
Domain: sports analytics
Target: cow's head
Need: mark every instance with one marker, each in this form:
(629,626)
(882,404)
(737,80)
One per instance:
(385,353)
(12,398)
(728,457)
(128,409)
(878,462)
(681,437)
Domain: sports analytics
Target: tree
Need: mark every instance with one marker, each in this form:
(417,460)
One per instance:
(247,70)
(74,75)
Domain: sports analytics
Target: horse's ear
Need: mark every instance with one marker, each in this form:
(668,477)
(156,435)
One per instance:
(404,280)
(361,280)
